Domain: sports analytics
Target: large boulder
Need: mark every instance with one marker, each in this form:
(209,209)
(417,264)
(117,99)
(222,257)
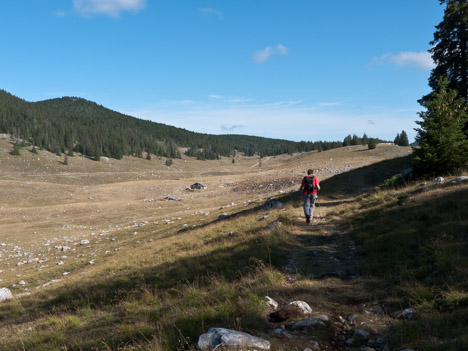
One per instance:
(5,294)
(217,337)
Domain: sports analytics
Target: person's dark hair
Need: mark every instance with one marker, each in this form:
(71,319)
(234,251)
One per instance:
(310,171)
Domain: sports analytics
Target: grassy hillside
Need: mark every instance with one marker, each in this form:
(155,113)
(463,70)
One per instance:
(158,286)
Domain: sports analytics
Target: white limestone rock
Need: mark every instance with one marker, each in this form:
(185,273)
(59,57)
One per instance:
(302,306)
(217,337)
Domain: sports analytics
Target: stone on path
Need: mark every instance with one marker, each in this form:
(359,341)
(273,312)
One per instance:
(217,337)
(308,323)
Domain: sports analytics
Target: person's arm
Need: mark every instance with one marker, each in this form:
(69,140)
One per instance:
(302,185)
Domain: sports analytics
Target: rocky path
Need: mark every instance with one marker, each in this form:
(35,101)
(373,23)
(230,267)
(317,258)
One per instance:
(332,266)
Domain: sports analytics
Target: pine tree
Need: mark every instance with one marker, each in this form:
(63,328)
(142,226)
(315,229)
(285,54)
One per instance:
(396,141)
(347,140)
(372,144)
(355,140)
(365,139)
(450,50)
(403,139)
(443,145)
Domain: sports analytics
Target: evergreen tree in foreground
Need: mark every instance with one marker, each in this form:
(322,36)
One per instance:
(450,50)
(443,145)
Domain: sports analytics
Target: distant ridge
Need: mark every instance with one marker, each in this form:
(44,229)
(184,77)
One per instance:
(72,124)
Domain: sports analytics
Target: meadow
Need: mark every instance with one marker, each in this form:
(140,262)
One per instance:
(120,255)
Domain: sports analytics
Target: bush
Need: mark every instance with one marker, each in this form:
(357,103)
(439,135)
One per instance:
(16,150)
(372,144)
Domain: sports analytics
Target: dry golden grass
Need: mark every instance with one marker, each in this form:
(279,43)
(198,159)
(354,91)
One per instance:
(148,259)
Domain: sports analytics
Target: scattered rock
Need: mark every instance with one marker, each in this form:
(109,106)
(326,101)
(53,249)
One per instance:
(84,242)
(352,317)
(272,303)
(439,180)
(216,337)
(5,294)
(408,313)
(271,204)
(51,282)
(315,346)
(281,333)
(462,179)
(223,216)
(308,324)
(198,186)
(275,224)
(303,307)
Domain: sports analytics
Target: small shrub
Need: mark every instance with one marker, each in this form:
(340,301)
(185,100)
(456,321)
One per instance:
(16,151)
(169,162)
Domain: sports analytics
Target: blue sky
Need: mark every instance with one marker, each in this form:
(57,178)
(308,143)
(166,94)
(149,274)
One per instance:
(297,69)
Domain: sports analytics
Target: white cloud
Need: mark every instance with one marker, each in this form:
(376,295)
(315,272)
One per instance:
(111,8)
(420,60)
(210,11)
(60,13)
(265,54)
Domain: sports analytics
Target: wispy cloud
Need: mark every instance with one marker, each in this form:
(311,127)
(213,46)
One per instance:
(265,54)
(420,60)
(230,99)
(211,12)
(111,8)
(329,103)
(60,13)
(230,129)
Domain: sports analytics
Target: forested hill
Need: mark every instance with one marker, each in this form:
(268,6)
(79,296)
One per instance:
(72,124)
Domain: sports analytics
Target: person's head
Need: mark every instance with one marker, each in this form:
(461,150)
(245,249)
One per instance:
(310,171)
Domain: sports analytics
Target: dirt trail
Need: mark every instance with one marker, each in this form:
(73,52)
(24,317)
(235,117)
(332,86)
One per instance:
(333,267)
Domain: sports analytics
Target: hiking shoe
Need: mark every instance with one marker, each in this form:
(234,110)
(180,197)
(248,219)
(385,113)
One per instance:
(307,219)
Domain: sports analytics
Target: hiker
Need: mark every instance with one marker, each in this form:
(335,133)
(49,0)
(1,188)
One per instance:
(310,187)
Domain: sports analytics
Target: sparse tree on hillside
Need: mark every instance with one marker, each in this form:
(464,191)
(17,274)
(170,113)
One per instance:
(365,139)
(347,140)
(372,144)
(443,145)
(396,141)
(355,140)
(403,139)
